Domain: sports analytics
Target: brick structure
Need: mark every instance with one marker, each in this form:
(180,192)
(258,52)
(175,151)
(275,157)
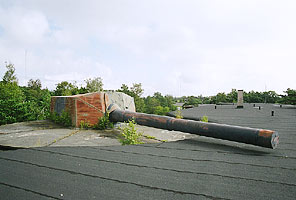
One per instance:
(83,107)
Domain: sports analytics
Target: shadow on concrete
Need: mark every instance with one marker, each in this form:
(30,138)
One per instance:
(9,148)
(226,146)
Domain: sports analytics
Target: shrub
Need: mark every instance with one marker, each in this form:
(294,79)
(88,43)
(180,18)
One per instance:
(84,125)
(12,103)
(159,110)
(204,119)
(130,133)
(64,118)
(104,123)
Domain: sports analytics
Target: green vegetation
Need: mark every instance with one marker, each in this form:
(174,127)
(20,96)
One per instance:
(31,102)
(94,85)
(156,104)
(130,134)
(290,98)
(84,125)
(135,91)
(12,107)
(149,137)
(179,114)
(249,97)
(19,104)
(104,123)
(204,119)
(63,119)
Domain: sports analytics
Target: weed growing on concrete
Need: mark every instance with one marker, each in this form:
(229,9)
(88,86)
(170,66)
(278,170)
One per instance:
(204,119)
(179,114)
(64,118)
(84,125)
(104,123)
(130,133)
(149,137)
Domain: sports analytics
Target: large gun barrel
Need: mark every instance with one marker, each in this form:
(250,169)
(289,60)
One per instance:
(259,137)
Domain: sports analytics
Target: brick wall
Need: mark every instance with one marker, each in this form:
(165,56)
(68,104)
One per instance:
(84,107)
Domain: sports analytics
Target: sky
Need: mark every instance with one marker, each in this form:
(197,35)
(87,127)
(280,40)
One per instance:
(176,47)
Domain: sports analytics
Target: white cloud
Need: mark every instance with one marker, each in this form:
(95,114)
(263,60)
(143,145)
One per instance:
(179,48)
(23,27)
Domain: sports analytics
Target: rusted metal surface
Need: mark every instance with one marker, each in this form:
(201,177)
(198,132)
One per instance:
(258,137)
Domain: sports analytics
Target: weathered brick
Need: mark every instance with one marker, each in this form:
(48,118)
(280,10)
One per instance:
(84,107)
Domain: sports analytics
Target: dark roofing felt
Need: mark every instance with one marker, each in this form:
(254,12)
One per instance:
(200,168)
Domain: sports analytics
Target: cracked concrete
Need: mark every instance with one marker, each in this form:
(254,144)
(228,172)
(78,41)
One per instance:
(46,133)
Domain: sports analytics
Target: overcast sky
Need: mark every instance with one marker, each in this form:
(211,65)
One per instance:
(174,47)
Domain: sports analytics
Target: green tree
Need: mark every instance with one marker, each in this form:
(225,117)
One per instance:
(12,103)
(135,91)
(192,100)
(150,104)
(159,110)
(232,96)
(270,97)
(253,97)
(37,101)
(170,102)
(34,84)
(9,76)
(94,85)
(65,89)
(221,98)
(290,98)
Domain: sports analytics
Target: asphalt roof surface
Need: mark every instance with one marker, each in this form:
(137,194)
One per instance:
(198,168)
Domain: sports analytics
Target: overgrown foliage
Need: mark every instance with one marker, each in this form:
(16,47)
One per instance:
(130,134)
(135,91)
(85,124)
(290,98)
(222,97)
(65,88)
(9,76)
(19,104)
(94,84)
(158,104)
(63,119)
(37,100)
(12,104)
(104,123)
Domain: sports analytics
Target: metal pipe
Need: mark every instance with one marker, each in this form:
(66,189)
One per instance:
(258,137)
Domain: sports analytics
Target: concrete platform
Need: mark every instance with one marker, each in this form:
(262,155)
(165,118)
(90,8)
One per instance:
(45,133)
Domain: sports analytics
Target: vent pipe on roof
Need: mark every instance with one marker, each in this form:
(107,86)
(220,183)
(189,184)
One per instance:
(240,99)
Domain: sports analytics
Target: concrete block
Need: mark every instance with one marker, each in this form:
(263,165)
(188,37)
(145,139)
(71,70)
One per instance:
(124,101)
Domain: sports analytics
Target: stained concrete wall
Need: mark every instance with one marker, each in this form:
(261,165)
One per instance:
(124,101)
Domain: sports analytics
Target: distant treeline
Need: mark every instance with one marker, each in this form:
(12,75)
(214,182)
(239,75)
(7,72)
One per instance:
(31,102)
